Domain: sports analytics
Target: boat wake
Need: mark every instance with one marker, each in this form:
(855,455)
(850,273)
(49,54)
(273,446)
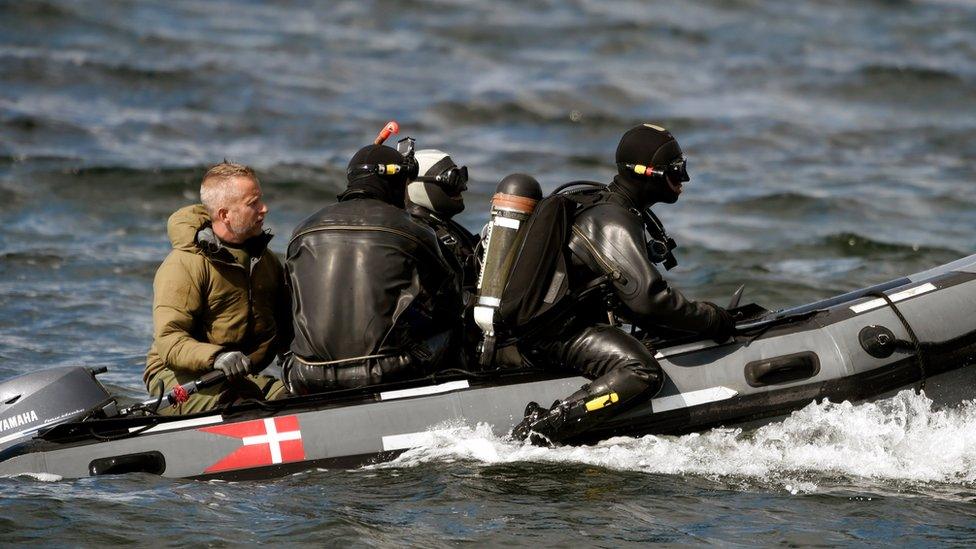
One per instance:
(904,439)
(40,477)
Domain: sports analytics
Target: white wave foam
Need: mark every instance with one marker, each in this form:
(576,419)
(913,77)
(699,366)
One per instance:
(42,477)
(902,438)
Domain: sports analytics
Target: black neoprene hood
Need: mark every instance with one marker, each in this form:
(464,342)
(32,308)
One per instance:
(388,188)
(648,145)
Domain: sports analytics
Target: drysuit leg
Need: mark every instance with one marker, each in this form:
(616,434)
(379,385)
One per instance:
(624,371)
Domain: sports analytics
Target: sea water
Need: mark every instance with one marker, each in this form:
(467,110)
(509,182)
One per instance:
(830,148)
(902,439)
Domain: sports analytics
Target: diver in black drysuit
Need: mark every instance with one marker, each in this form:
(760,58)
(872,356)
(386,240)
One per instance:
(434,197)
(373,298)
(608,238)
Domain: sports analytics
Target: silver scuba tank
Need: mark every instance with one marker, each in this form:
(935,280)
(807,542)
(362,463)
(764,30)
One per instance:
(514,201)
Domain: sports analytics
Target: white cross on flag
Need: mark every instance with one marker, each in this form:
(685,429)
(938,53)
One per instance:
(265,442)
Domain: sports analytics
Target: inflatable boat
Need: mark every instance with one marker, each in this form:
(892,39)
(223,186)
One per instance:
(918,331)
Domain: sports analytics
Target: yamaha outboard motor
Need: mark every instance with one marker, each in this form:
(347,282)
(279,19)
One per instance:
(39,400)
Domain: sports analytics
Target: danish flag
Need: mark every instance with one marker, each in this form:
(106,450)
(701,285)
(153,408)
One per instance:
(266,442)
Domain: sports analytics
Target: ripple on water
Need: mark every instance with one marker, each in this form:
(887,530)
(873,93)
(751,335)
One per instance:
(830,148)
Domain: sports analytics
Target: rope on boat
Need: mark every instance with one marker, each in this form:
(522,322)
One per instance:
(911,333)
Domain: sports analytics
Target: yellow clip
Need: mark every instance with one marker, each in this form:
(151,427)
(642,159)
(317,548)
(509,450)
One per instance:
(640,169)
(392,169)
(601,402)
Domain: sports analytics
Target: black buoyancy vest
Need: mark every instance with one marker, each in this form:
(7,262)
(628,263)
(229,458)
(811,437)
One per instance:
(538,293)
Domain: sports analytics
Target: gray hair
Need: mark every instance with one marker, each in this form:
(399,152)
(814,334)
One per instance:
(216,190)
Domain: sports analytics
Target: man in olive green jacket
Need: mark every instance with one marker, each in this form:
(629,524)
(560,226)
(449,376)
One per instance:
(219,297)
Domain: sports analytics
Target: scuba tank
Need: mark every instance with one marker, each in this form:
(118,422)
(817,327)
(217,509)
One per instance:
(514,201)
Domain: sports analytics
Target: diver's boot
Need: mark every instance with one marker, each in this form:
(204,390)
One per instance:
(593,404)
(553,426)
(533,413)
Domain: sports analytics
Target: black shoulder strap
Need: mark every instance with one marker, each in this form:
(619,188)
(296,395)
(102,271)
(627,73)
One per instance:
(580,183)
(586,196)
(445,235)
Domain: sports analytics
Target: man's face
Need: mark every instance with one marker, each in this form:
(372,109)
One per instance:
(245,215)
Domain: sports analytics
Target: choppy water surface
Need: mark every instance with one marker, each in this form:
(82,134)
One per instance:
(830,147)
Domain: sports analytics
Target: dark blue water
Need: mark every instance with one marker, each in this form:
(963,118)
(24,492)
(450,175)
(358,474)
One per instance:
(830,147)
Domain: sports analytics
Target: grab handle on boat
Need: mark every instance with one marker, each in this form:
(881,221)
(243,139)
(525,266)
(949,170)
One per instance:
(782,369)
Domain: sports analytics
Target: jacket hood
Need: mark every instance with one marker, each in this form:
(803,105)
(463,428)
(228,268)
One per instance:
(190,230)
(184,225)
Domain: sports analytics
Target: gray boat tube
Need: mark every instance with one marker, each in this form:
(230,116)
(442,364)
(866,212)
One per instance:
(831,349)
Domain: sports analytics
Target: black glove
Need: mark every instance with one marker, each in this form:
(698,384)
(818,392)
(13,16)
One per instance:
(234,364)
(723,324)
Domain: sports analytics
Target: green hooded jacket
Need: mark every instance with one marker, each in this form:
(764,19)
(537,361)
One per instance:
(206,301)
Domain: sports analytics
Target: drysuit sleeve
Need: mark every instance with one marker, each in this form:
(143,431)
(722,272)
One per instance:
(178,302)
(612,238)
